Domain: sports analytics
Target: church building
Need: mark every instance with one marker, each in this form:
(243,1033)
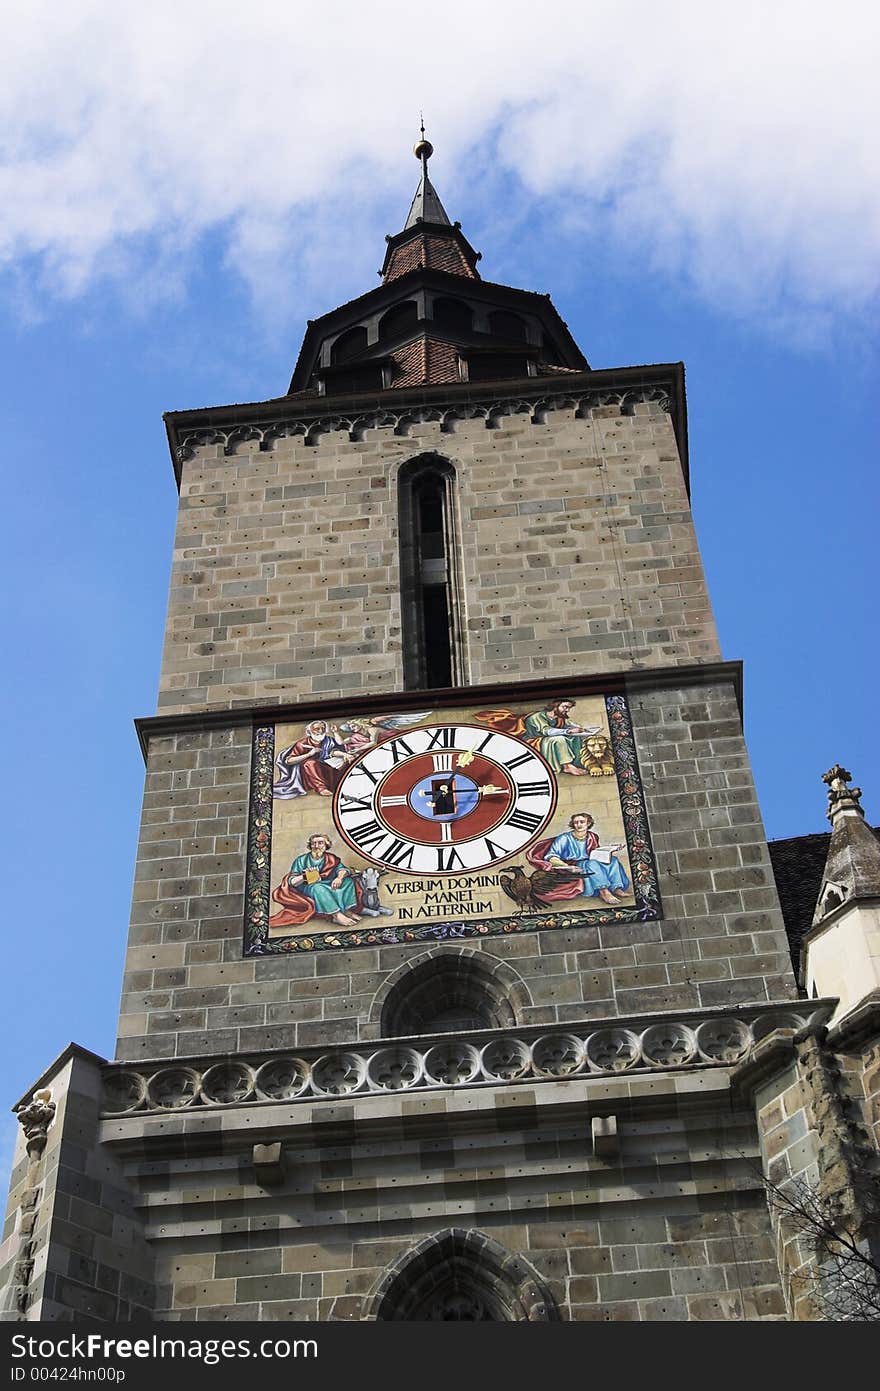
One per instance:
(461,981)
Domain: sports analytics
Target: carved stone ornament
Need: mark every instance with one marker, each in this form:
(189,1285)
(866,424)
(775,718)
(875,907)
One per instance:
(35,1119)
(619,1046)
(841,797)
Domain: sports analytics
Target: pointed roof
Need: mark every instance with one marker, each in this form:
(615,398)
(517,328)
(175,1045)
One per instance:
(429,241)
(426,206)
(852,867)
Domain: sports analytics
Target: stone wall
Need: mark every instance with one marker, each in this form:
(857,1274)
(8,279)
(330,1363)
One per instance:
(73,1242)
(578,555)
(721,941)
(813,1091)
(672,1225)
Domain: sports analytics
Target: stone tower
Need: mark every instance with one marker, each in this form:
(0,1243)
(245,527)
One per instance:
(453,914)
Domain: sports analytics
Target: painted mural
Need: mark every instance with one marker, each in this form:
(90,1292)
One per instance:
(446,823)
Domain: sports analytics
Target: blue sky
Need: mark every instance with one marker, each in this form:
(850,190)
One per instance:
(183,194)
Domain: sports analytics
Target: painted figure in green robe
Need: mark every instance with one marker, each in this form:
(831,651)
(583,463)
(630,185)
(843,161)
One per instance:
(318,883)
(560,742)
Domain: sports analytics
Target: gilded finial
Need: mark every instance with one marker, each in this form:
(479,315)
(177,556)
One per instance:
(423,149)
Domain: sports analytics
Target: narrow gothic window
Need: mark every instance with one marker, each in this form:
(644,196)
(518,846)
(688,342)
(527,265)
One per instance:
(429,608)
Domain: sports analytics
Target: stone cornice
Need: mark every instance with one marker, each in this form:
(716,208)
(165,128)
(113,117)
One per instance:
(399,409)
(73,1050)
(860,1025)
(605,683)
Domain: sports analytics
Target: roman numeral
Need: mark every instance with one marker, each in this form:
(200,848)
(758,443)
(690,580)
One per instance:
(368,833)
(399,852)
(446,831)
(524,821)
(351,802)
(533,789)
(442,762)
(361,770)
(395,745)
(495,852)
(389,802)
(444,737)
(452,860)
(518,762)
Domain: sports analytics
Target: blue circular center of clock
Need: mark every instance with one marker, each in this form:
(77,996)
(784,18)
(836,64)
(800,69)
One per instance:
(443,797)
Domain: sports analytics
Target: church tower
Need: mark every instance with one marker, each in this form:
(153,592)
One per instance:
(453,917)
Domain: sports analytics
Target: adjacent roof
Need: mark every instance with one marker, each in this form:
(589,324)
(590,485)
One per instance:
(799,869)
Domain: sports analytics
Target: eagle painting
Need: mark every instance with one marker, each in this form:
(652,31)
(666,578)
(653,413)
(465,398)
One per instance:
(527,889)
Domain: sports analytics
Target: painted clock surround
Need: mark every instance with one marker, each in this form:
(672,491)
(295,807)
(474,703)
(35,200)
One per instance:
(440,869)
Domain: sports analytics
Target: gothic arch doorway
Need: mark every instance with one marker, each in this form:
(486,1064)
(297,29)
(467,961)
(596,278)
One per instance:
(465,1277)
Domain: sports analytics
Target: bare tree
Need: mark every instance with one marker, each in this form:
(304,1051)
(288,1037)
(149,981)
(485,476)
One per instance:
(838,1268)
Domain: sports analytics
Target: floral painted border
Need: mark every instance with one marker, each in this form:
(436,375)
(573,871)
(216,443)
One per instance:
(257,894)
(259,845)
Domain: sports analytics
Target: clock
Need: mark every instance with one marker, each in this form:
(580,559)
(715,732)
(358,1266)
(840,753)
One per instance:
(444,799)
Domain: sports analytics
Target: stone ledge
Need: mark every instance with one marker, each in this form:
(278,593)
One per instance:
(860,1024)
(612,1049)
(246,713)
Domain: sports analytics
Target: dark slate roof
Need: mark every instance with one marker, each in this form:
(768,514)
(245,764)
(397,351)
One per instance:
(798,867)
(426,206)
(798,864)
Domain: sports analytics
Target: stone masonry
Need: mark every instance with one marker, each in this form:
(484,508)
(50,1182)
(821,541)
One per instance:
(286,586)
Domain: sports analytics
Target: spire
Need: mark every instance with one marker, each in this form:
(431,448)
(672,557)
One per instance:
(852,869)
(429,241)
(426,206)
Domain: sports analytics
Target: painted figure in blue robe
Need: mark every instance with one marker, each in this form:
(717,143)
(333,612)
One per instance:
(574,849)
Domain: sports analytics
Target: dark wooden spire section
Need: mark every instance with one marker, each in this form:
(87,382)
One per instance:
(425,247)
(432,320)
(429,241)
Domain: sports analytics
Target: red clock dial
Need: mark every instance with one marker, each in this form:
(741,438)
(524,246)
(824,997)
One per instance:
(443,799)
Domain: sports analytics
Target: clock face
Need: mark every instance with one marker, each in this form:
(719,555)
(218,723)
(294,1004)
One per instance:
(444,799)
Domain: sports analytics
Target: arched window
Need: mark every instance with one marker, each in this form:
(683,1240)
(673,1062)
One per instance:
(549,350)
(463,1277)
(454,314)
(349,345)
(430,599)
(398,320)
(506,325)
(444,995)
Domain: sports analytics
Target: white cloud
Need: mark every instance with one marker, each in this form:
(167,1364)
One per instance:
(738,144)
